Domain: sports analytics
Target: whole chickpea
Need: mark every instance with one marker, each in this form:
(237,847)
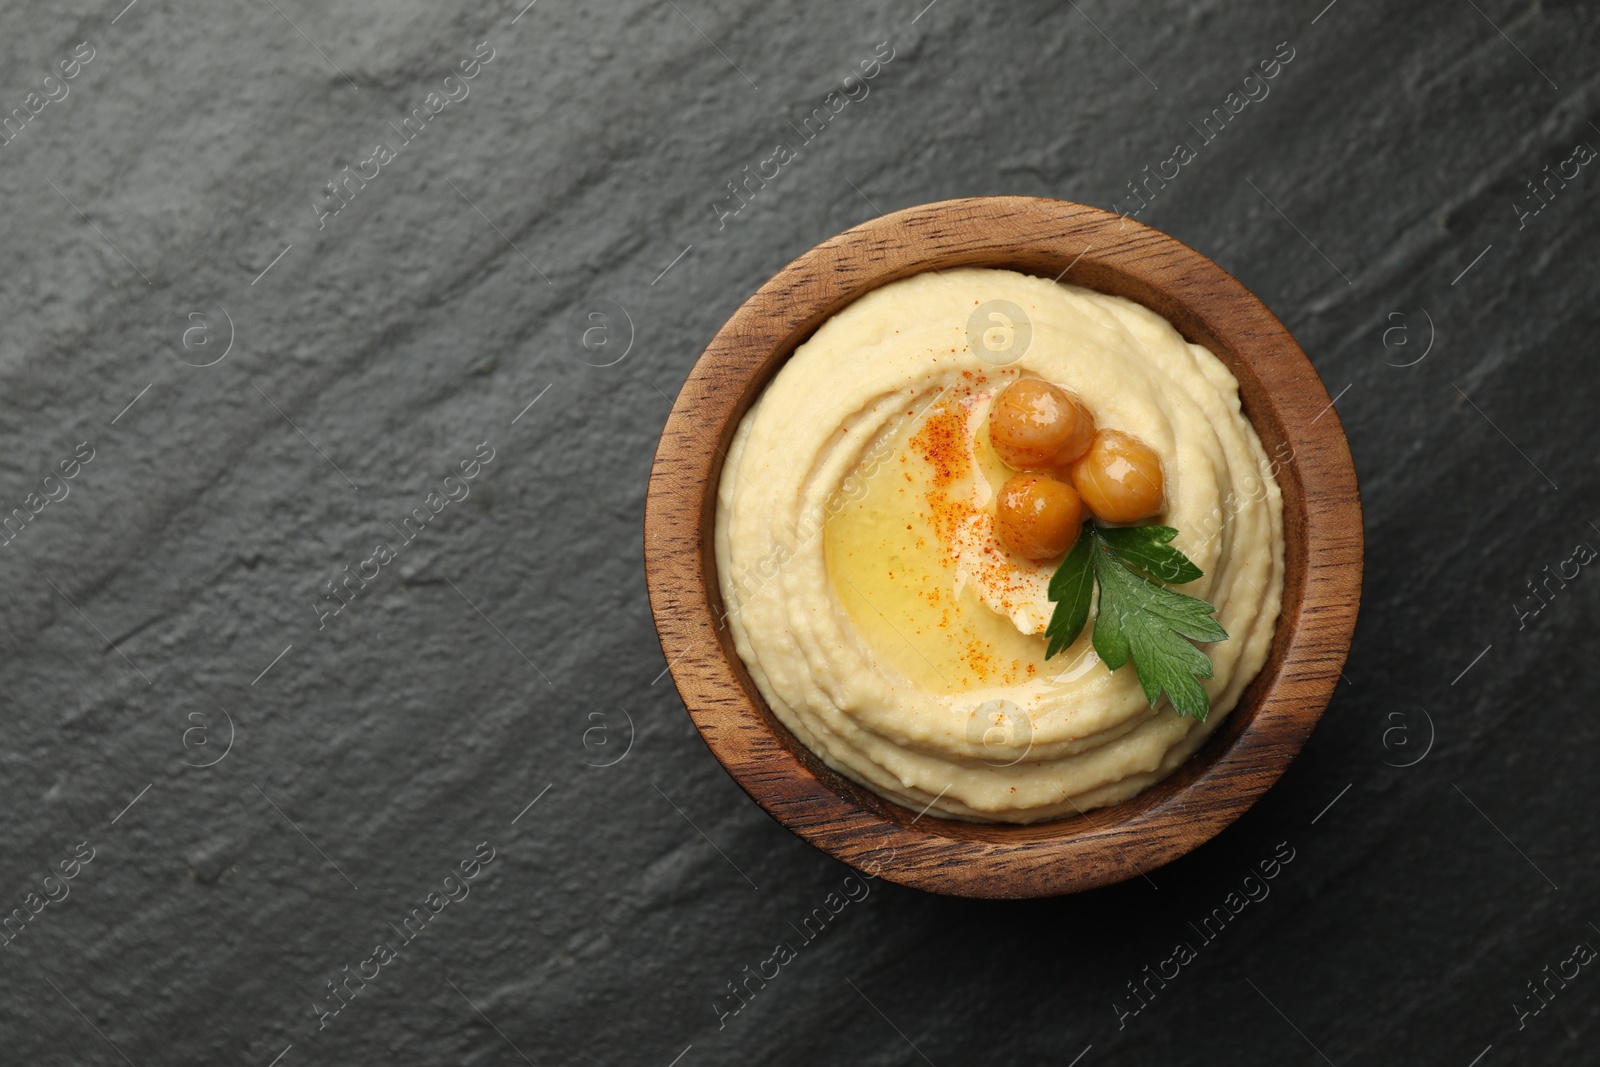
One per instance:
(1036,425)
(1038,517)
(1119,478)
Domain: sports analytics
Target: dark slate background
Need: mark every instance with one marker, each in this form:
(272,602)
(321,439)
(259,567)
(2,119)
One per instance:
(167,605)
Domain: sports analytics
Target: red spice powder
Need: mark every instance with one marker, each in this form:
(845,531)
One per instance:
(942,442)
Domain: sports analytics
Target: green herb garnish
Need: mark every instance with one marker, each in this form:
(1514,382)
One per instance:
(1139,617)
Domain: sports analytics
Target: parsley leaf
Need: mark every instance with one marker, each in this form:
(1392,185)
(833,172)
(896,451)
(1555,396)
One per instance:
(1138,617)
(1147,548)
(1071,587)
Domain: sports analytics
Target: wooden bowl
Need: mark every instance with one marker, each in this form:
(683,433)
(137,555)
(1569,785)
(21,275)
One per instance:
(1282,397)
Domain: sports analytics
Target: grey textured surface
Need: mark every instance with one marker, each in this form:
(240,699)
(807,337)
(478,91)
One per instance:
(509,645)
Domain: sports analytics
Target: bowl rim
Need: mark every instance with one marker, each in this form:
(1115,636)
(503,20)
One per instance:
(1282,396)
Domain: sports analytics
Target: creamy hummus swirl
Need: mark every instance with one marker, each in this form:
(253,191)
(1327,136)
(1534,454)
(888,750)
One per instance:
(995,733)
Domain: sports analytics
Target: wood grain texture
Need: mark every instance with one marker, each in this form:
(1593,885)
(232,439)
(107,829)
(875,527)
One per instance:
(1282,396)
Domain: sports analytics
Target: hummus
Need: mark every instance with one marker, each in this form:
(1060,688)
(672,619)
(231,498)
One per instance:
(877,613)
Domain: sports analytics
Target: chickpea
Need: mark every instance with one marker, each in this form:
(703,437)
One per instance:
(1119,478)
(1035,425)
(1038,517)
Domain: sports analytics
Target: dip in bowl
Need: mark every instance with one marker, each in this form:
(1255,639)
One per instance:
(884,618)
